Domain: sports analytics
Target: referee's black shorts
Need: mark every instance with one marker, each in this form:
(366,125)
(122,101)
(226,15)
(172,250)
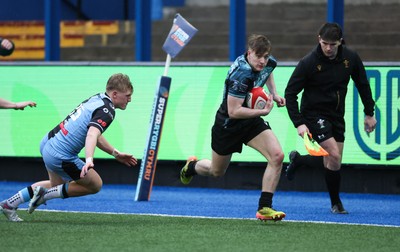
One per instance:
(323,128)
(226,140)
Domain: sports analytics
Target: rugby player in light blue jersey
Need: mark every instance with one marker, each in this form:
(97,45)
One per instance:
(69,176)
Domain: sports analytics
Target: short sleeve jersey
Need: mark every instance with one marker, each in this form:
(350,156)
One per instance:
(241,79)
(68,138)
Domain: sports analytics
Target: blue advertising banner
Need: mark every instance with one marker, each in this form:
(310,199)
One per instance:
(149,160)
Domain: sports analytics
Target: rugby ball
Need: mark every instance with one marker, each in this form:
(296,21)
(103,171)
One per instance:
(257,98)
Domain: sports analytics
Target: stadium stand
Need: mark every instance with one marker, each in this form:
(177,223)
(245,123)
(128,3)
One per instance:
(29,36)
(371,29)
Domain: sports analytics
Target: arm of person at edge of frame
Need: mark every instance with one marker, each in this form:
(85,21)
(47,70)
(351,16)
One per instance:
(16,105)
(280,101)
(125,158)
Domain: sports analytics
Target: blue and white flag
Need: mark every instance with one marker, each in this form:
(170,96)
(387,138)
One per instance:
(179,36)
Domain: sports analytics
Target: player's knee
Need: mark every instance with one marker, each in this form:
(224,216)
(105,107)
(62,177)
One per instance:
(95,186)
(334,159)
(98,186)
(280,156)
(277,157)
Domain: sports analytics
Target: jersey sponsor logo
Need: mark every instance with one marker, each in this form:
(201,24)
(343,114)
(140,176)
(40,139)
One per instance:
(238,86)
(264,75)
(108,112)
(76,113)
(383,143)
(63,129)
(102,123)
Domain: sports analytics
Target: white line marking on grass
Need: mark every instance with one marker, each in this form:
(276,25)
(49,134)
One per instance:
(344,223)
(222,218)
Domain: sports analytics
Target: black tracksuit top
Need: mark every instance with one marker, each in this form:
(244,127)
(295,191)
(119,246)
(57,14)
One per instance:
(325,82)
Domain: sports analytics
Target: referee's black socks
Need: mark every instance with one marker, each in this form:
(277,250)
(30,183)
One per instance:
(332,179)
(310,161)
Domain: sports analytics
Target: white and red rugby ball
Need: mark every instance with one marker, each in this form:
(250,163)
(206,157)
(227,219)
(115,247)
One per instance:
(257,98)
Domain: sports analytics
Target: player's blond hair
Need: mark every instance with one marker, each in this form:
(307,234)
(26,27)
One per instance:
(119,82)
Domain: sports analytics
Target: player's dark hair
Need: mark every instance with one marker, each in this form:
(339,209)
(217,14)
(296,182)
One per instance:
(119,82)
(330,32)
(259,44)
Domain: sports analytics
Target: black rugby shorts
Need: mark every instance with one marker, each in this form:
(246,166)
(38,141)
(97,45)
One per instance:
(323,128)
(227,140)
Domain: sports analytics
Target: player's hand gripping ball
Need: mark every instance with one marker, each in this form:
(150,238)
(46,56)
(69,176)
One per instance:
(257,98)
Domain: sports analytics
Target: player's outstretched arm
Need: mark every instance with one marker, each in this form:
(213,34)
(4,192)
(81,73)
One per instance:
(5,104)
(126,159)
(122,157)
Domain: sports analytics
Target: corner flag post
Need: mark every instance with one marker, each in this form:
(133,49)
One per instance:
(179,36)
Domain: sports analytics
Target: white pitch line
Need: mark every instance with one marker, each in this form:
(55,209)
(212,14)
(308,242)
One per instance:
(222,218)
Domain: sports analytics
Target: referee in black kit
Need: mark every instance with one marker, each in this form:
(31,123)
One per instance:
(323,75)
